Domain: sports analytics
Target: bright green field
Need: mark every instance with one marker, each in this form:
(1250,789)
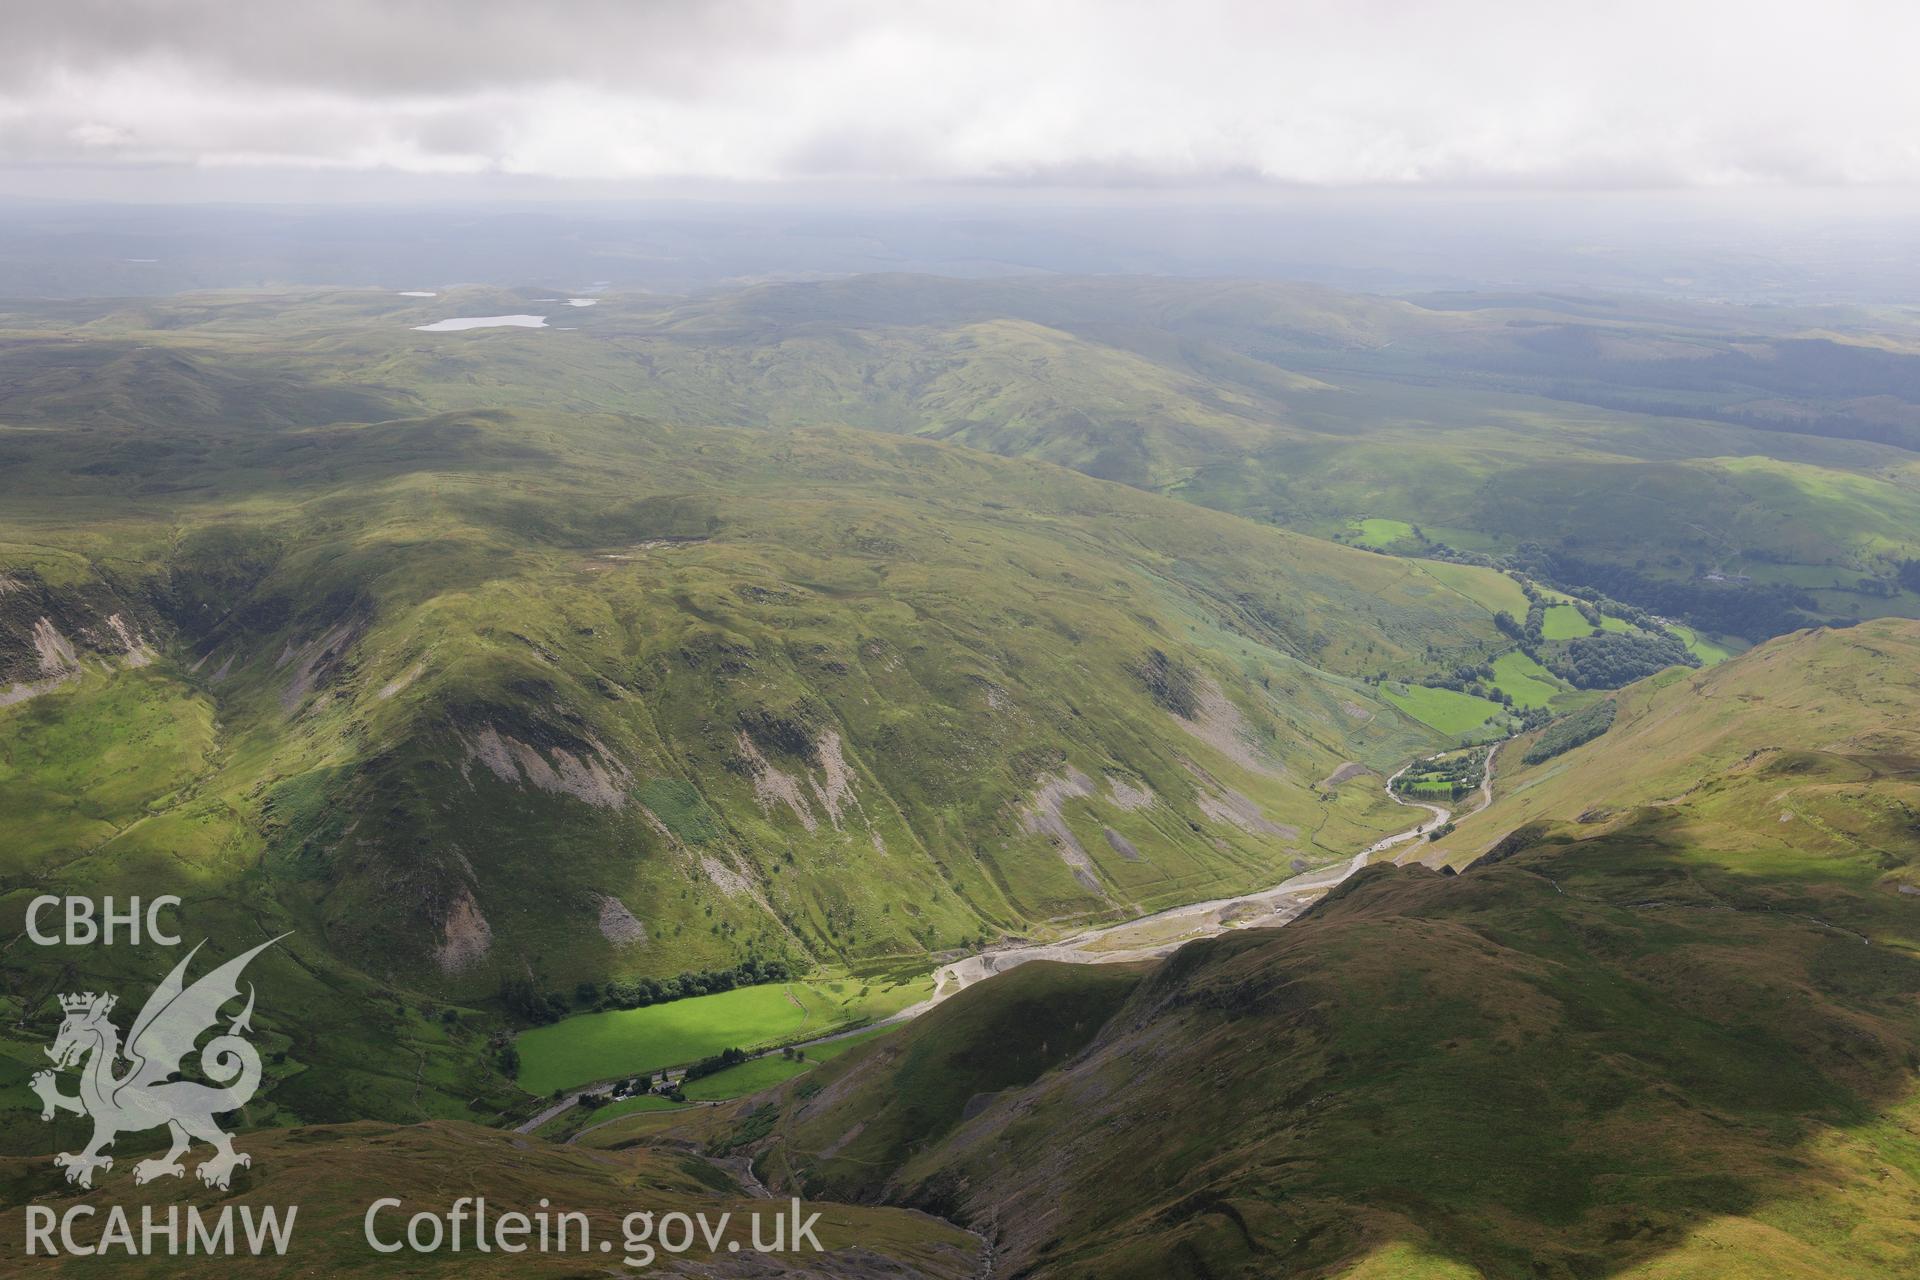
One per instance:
(1375,532)
(574,1120)
(1701,647)
(1489,588)
(1443,709)
(834,1048)
(599,1046)
(1527,682)
(748,1077)
(627,1106)
(841,999)
(1563,622)
(764,1073)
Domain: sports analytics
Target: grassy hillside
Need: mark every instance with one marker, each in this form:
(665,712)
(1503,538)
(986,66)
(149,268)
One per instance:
(1781,745)
(851,613)
(1674,1041)
(557,699)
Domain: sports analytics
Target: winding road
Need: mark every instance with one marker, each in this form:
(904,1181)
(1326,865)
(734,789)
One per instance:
(1145,937)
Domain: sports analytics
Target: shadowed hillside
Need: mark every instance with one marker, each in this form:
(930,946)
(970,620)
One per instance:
(1667,1044)
(331,1174)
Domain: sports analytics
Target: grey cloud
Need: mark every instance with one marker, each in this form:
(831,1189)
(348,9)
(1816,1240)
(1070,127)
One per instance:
(408,46)
(1081,93)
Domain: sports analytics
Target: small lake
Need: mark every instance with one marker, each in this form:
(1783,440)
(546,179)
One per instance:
(484,322)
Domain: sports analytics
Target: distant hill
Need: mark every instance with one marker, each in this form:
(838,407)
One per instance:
(1746,470)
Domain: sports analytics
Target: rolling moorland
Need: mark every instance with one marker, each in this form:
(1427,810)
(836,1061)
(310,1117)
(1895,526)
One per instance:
(1746,468)
(844,627)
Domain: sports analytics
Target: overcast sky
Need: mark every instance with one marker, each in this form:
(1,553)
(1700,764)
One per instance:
(1192,94)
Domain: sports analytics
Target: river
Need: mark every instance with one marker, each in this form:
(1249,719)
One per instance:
(1162,933)
(1146,937)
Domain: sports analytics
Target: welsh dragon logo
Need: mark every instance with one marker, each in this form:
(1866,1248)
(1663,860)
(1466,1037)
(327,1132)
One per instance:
(145,1095)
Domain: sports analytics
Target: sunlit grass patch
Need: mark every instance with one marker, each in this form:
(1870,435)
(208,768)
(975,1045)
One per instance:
(1699,646)
(1444,709)
(748,1077)
(1564,622)
(1377,532)
(600,1046)
(1525,681)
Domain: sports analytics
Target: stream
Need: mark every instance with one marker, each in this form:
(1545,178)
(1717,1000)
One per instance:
(1144,937)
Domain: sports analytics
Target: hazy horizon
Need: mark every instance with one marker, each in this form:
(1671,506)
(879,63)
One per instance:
(1710,150)
(1705,246)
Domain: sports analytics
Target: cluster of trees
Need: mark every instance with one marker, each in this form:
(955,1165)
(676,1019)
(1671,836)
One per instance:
(1591,604)
(1454,555)
(1758,611)
(1605,659)
(1476,680)
(632,1087)
(1609,659)
(1460,774)
(718,1062)
(526,1002)
(636,993)
(523,1000)
(1571,731)
(1531,633)
(1533,717)
(1884,588)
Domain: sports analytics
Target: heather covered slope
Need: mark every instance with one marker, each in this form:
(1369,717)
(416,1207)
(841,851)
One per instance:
(1653,1046)
(331,1174)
